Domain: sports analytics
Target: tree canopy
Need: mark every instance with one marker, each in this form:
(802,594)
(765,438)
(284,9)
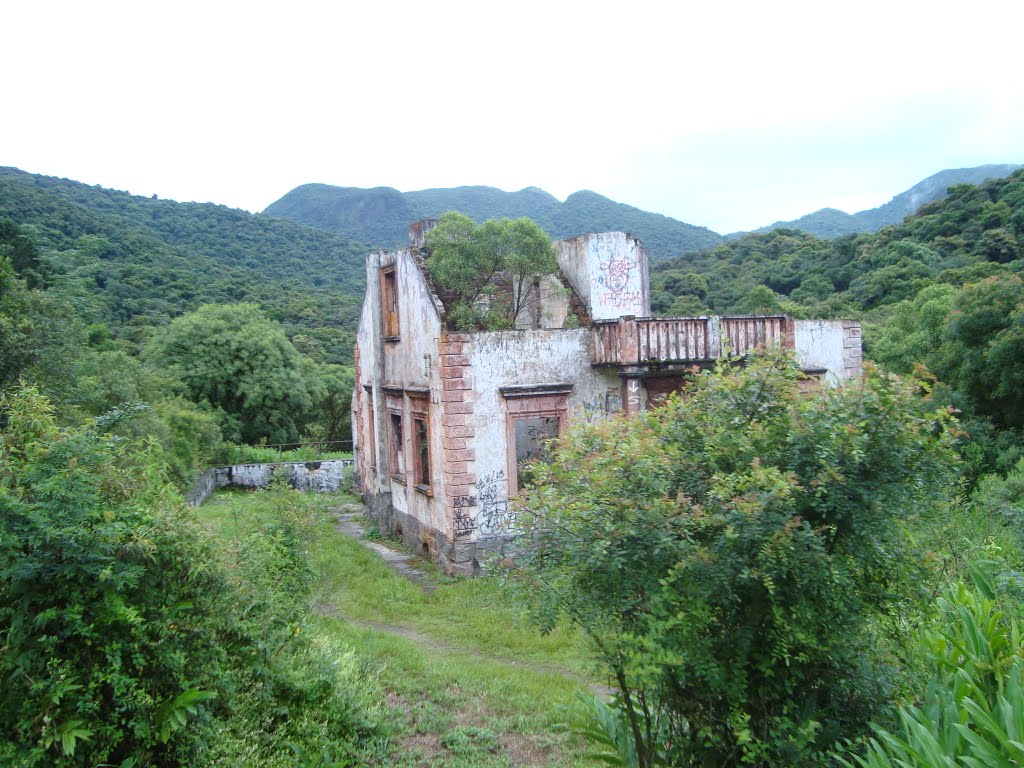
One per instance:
(240,363)
(467,260)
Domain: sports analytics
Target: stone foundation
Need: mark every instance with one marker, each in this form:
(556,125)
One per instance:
(469,558)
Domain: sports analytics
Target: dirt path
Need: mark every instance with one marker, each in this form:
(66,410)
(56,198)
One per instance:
(352,523)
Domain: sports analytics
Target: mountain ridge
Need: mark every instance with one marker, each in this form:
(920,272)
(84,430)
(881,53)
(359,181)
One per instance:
(134,262)
(831,222)
(381,215)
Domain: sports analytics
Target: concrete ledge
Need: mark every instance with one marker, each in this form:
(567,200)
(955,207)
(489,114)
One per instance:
(323,476)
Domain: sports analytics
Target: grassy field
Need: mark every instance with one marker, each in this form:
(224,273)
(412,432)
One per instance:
(462,678)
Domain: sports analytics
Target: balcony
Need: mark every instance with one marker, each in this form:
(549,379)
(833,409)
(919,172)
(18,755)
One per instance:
(634,341)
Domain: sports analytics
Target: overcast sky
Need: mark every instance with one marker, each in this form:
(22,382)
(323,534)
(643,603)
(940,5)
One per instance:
(729,115)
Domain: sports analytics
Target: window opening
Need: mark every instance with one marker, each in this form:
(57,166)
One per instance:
(532,444)
(389,302)
(420,443)
(396,436)
(536,415)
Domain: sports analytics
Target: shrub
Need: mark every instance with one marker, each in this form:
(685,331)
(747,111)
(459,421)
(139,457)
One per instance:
(973,713)
(126,641)
(727,553)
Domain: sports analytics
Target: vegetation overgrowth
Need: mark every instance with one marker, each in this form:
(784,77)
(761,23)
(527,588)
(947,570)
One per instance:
(129,639)
(485,273)
(489,694)
(132,263)
(223,374)
(942,289)
(732,557)
(776,578)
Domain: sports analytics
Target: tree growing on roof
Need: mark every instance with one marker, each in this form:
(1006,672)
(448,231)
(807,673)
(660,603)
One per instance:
(467,260)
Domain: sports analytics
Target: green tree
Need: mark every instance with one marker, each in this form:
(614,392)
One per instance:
(35,340)
(467,261)
(760,300)
(726,555)
(240,363)
(23,254)
(984,344)
(334,408)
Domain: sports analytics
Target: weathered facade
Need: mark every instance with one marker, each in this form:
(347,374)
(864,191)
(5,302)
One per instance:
(443,421)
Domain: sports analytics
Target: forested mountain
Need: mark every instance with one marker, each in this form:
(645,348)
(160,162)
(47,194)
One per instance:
(829,222)
(133,262)
(975,231)
(381,215)
(943,288)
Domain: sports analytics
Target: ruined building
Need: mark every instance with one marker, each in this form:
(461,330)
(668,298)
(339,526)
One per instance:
(443,421)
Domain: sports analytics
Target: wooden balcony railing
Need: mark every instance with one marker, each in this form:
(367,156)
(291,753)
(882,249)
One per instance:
(742,335)
(637,341)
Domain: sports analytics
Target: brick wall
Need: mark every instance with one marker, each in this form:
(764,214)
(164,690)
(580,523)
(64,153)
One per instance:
(457,433)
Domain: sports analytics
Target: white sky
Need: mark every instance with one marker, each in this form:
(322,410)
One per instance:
(724,114)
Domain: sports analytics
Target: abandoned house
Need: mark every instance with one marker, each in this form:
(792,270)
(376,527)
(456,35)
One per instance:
(443,421)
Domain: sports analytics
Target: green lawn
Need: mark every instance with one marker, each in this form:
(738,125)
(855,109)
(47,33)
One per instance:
(463,679)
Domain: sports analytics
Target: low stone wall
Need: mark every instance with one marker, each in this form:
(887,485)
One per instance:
(203,489)
(322,476)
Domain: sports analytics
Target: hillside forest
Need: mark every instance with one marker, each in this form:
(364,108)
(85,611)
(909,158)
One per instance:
(867,541)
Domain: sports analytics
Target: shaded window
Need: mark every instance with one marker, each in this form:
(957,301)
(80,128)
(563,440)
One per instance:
(389,302)
(397,447)
(420,443)
(534,420)
(396,436)
(371,445)
(533,436)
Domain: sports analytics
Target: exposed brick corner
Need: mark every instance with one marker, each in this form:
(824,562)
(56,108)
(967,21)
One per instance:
(458,432)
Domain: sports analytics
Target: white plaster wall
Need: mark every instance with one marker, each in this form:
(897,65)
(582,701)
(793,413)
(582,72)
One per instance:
(516,358)
(609,272)
(411,362)
(419,329)
(554,302)
(819,344)
(368,335)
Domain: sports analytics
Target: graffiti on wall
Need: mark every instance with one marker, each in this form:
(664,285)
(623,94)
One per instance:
(602,406)
(496,517)
(621,299)
(463,523)
(614,273)
(615,285)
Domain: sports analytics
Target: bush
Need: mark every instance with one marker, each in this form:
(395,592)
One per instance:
(126,641)
(104,598)
(973,713)
(727,554)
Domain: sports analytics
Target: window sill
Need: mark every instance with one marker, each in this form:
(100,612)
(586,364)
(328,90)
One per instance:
(392,338)
(398,478)
(426,490)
